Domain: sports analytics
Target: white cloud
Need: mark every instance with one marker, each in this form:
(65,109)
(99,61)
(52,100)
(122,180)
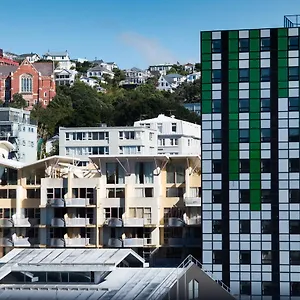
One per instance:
(150,49)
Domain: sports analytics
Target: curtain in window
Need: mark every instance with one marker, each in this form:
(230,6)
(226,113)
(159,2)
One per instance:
(121,174)
(180,174)
(148,169)
(170,174)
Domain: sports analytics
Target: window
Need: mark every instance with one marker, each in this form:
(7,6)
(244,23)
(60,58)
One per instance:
(295,288)
(267,288)
(265,44)
(293,43)
(294,135)
(293,73)
(115,193)
(217,136)
(244,135)
(243,75)
(294,227)
(127,135)
(26,83)
(174,127)
(217,257)
(294,104)
(244,196)
(294,165)
(216,46)
(294,195)
(244,165)
(216,105)
(245,257)
(265,74)
(266,165)
(114,173)
(175,173)
(265,135)
(217,226)
(245,226)
(159,127)
(266,257)
(244,105)
(266,226)
(193,290)
(217,166)
(244,45)
(216,76)
(245,288)
(217,196)
(266,196)
(294,257)
(144,172)
(174,192)
(265,105)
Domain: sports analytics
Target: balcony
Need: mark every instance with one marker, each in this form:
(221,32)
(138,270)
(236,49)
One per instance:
(56,202)
(25,222)
(6,242)
(76,222)
(58,222)
(6,222)
(77,202)
(21,242)
(192,201)
(77,242)
(114,222)
(175,222)
(57,242)
(135,222)
(193,221)
(115,243)
(133,242)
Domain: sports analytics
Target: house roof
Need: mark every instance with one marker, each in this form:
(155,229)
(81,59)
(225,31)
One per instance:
(45,68)
(27,54)
(136,69)
(56,53)
(99,68)
(6,70)
(170,77)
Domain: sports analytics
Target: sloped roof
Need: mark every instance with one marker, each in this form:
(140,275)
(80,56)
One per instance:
(99,68)
(27,54)
(45,68)
(6,70)
(170,77)
(56,53)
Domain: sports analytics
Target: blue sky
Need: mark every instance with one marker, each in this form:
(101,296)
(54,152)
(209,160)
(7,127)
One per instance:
(133,32)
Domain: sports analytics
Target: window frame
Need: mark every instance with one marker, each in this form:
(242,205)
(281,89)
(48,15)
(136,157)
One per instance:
(244,48)
(216,49)
(244,77)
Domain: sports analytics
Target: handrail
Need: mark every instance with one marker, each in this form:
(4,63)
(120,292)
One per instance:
(160,290)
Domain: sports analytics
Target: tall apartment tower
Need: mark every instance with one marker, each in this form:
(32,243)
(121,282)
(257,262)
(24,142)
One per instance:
(250,159)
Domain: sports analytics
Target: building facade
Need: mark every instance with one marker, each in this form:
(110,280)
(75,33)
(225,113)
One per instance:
(135,76)
(17,128)
(250,160)
(62,59)
(35,82)
(85,141)
(174,136)
(149,203)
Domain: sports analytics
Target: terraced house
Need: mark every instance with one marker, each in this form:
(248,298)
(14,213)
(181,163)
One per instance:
(250,159)
(150,203)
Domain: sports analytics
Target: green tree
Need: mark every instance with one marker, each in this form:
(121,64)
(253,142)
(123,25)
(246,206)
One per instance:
(198,67)
(83,67)
(18,101)
(188,92)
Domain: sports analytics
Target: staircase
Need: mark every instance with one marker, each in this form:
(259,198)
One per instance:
(162,290)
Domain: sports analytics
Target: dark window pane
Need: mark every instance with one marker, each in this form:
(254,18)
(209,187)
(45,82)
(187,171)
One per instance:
(265,44)
(245,257)
(266,196)
(243,75)
(266,226)
(244,165)
(216,106)
(217,256)
(217,226)
(217,166)
(293,73)
(244,105)
(244,135)
(265,135)
(217,196)
(216,76)
(294,165)
(245,226)
(265,74)
(294,104)
(293,43)
(216,46)
(265,104)
(294,195)
(266,257)
(294,135)
(244,45)
(245,288)
(244,196)
(295,257)
(266,166)
(294,227)
(217,136)
(295,288)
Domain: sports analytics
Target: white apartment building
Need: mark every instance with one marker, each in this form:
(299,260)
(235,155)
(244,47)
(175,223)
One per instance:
(84,141)
(174,136)
(161,68)
(17,128)
(64,76)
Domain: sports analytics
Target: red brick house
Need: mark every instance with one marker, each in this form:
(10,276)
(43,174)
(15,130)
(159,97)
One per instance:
(35,82)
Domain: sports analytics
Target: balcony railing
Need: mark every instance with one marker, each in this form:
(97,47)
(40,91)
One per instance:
(77,242)
(133,242)
(114,222)
(21,242)
(136,222)
(77,222)
(192,201)
(77,202)
(115,243)
(193,221)
(6,222)
(25,222)
(175,222)
(56,202)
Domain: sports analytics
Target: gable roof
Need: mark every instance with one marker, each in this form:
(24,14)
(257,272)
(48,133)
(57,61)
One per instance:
(56,53)
(6,70)
(27,54)
(99,68)
(170,77)
(45,68)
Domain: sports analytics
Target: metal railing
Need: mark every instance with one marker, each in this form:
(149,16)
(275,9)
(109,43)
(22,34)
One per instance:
(162,290)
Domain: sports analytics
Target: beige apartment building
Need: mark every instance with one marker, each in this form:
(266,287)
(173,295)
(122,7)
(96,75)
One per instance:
(150,203)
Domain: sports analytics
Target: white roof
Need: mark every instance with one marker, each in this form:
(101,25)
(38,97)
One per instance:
(159,119)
